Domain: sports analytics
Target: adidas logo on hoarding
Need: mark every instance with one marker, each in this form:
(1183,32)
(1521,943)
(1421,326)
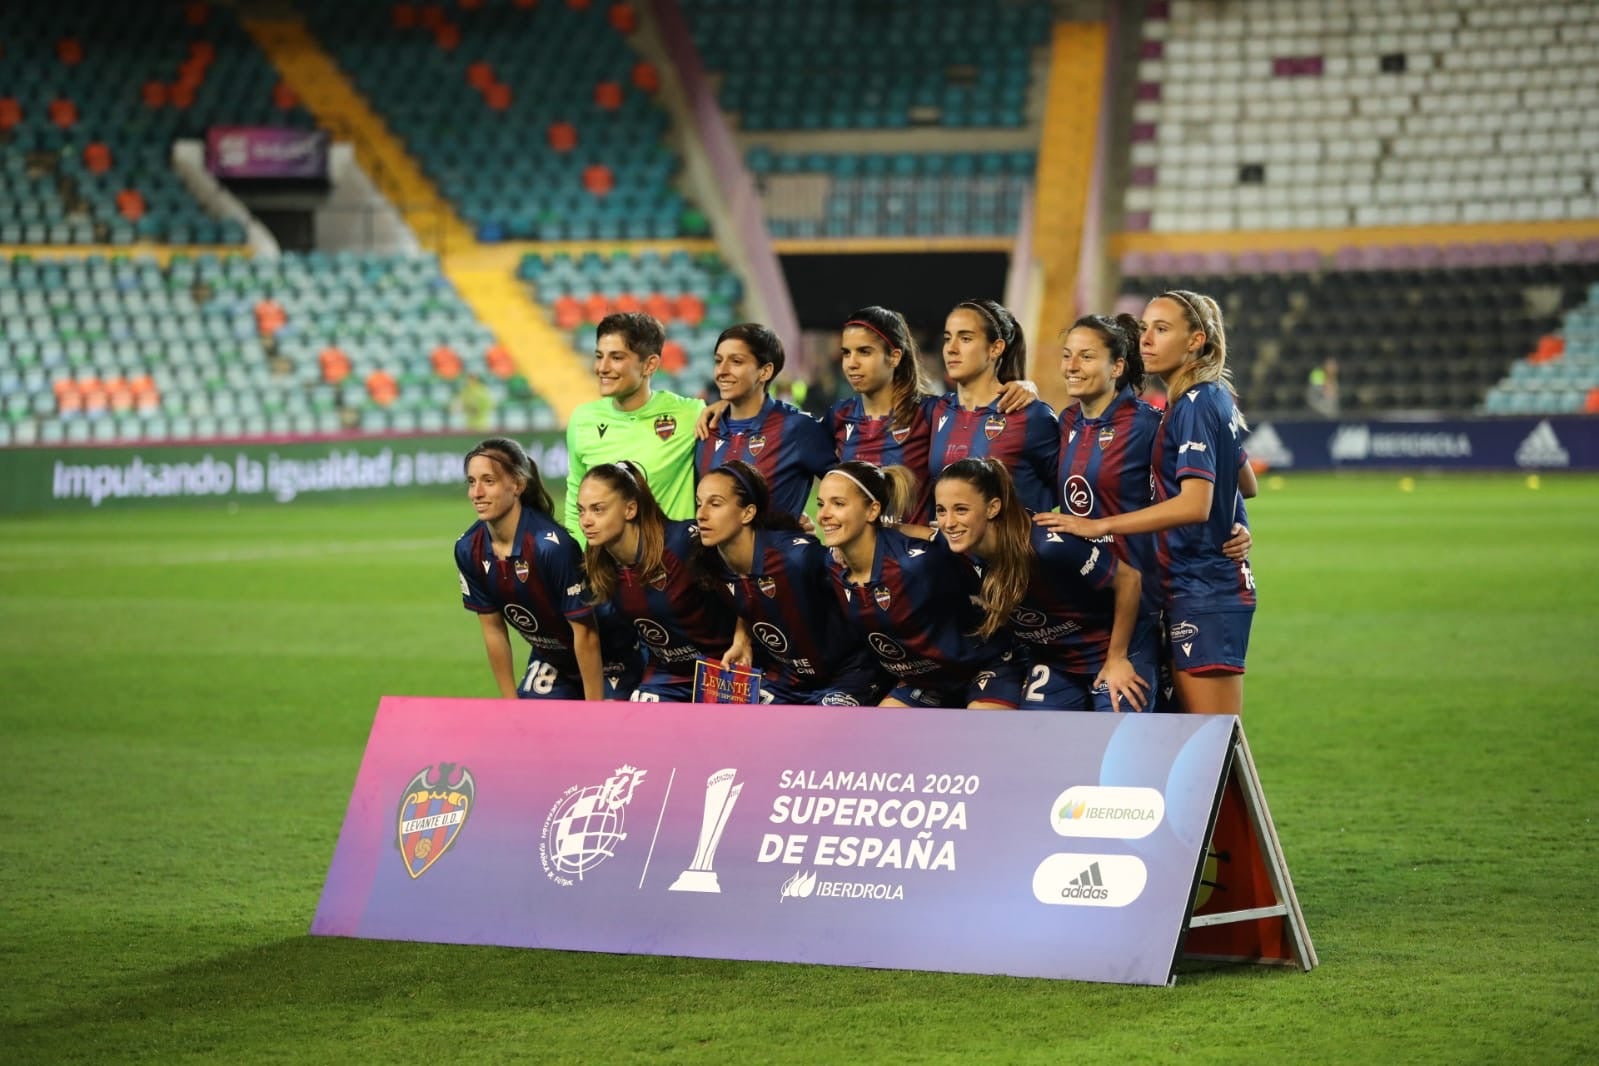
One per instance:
(1086,885)
(1264,444)
(1083,880)
(1542,448)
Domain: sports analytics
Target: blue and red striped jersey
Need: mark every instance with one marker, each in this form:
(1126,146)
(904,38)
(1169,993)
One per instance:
(1199,438)
(1070,604)
(1026,441)
(789,447)
(676,621)
(539,589)
(788,603)
(918,613)
(1104,470)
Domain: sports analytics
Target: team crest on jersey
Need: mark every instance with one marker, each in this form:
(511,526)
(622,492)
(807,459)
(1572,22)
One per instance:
(768,586)
(665,426)
(658,582)
(880,594)
(521,568)
(1106,435)
(756,443)
(899,435)
(993,427)
(433,811)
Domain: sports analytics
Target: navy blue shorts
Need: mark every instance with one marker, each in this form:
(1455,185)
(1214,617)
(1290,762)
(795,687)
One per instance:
(1210,643)
(1000,682)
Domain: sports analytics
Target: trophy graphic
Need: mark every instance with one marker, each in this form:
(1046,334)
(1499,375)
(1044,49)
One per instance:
(720,795)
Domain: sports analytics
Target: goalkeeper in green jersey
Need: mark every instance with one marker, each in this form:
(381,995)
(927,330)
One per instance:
(653,428)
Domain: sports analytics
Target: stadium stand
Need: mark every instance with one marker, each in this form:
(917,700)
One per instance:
(850,65)
(1274,116)
(119,349)
(893,194)
(1561,375)
(535,121)
(91,101)
(1410,327)
(696,297)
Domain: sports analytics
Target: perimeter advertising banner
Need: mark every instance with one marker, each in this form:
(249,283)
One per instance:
(1029,843)
(1553,443)
(86,478)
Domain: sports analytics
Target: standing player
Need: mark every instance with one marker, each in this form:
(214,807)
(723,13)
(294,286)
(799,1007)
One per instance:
(630,421)
(518,565)
(911,598)
(1209,598)
(1069,602)
(789,447)
(642,564)
(985,349)
(776,578)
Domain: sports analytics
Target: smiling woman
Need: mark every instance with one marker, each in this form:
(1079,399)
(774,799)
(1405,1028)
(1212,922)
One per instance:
(518,566)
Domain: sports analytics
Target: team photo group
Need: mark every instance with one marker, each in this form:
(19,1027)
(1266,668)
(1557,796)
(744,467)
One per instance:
(969,548)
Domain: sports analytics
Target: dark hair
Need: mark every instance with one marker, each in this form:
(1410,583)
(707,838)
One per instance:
(1121,335)
(627,479)
(749,490)
(508,455)
(1000,325)
(762,343)
(1009,568)
(910,387)
(644,333)
(892,488)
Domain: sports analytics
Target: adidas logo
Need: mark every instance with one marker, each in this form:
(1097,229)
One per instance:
(1542,448)
(1086,885)
(1264,444)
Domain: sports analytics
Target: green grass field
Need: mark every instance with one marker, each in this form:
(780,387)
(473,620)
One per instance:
(186,694)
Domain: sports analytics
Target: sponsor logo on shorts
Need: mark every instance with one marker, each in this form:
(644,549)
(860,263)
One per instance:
(1184,631)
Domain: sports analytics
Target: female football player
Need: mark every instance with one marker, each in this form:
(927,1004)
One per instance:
(910,597)
(789,447)
(641,563)
(776,579)
(1070,603)
(518,565)
(984,349)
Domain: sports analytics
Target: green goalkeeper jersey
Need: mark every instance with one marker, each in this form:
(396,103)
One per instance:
(658,436)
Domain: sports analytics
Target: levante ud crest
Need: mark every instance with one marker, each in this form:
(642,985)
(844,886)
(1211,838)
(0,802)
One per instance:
(433,811)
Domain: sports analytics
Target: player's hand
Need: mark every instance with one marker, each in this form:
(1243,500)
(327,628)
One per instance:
(1014,395)
(1237,546)
(1127,690)
(739,652)
(710,417)
(1076,525)
(806,525)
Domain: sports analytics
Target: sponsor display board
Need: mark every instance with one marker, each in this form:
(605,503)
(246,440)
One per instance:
(82,479)
(1031,843)
(271,152)
(1552,443)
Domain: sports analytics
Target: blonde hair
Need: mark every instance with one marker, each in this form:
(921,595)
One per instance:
(1203,315)
(627,479)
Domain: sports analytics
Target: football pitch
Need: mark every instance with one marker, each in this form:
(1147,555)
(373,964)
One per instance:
(186,694)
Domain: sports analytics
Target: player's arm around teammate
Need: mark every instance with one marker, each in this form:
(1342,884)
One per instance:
(1210,598)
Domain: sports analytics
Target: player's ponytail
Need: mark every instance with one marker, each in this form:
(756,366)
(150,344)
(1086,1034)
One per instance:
(910,387)
(1209,363)
(510,457)
(1000,325)
(1008,568)
(627,479)
(892,488)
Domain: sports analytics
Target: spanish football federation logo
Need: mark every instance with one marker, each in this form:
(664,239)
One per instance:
(586,826)
(665,426)
(433,811)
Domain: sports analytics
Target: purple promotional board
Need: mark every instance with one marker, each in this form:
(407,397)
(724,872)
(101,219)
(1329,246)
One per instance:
(1028,843)
(1555,442)
(266,152)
